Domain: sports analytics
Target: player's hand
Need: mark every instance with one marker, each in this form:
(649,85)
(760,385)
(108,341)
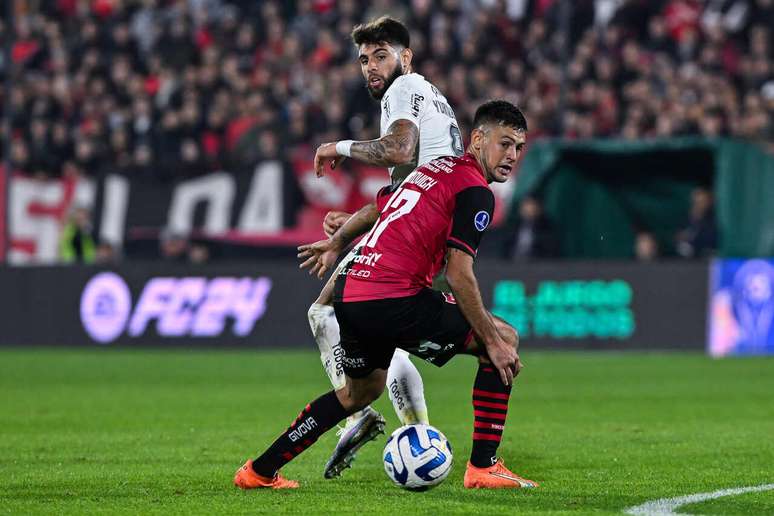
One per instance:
(505,359)
(326,153)
(334,220)
(318,257)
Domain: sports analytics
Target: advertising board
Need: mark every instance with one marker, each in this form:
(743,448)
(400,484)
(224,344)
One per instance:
(741,308)
(600,305)
(559,305)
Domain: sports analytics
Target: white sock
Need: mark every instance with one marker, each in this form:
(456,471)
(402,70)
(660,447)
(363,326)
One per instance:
(407,393)
(325,328)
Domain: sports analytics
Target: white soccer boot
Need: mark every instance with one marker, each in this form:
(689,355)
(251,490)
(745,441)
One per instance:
(353,436)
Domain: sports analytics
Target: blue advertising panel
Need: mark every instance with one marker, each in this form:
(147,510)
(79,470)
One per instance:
(741,308)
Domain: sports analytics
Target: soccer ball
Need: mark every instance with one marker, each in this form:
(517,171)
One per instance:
(417,457)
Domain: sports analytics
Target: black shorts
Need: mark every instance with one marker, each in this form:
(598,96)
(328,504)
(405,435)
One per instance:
(429,325)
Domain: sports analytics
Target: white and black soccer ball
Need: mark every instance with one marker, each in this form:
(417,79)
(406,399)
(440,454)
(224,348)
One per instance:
(417,457)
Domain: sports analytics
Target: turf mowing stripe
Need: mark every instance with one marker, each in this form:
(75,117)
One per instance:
(665,506)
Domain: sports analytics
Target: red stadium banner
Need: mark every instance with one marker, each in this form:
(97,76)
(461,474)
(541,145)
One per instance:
(273,204)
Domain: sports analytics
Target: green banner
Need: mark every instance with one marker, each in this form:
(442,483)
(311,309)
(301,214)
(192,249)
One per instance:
(601,193)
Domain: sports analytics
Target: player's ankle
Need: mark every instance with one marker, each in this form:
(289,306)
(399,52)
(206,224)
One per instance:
(358,414)
(261,470)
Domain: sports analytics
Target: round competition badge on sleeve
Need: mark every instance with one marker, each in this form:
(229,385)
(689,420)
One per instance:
(481,220)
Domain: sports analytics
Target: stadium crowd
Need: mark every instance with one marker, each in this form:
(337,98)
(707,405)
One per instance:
(180,87)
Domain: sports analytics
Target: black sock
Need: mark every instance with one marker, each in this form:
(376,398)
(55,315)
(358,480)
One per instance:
(490,406)
(317,418)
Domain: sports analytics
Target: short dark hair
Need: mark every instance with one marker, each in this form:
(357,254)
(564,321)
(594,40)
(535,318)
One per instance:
(500,112)
(381,30)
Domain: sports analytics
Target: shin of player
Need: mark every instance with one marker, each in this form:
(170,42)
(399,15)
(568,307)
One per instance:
(314,420)
(406,390)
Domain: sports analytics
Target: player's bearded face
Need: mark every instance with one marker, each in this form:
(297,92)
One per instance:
(381,65)
(377,88)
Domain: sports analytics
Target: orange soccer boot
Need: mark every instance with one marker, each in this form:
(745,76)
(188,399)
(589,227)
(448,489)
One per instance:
(496,476)
(246,478)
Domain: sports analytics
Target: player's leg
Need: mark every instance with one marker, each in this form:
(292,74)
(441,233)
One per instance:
(406,390)
(363,425)
(405,384)
(363,352)
(325,329)
(490,410)
(447,334)
(314,420)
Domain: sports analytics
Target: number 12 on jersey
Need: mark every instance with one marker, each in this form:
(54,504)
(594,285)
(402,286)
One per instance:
(401,202)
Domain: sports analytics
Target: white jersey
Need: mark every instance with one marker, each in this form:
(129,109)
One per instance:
(410,97)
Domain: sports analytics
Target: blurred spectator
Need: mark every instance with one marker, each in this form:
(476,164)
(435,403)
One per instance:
(106,254)
(534,236)
(198,254)
(645,247)
(77,243)
(699,238)
(173,246)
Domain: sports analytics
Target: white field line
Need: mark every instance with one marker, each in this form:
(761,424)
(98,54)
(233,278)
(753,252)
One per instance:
(666,506)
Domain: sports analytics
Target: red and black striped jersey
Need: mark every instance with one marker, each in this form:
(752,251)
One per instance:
(444,203)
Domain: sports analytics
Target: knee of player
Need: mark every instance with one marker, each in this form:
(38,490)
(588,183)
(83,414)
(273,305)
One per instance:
(318,312)
(508,333)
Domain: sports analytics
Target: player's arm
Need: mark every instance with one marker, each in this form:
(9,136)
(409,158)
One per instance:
(396,147)
(473,210)
(320,256)
(356,225)
(464,286)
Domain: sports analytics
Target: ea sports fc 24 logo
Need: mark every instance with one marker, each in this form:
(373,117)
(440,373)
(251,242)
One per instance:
(190,306)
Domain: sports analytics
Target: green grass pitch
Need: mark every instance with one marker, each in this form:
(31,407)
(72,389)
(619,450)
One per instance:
(162,432)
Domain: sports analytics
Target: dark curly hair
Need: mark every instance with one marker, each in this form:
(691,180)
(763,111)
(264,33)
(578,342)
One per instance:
(382,30)
(500,112)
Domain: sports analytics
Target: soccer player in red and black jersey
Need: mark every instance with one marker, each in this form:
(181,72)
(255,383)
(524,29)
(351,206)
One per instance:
(383,298)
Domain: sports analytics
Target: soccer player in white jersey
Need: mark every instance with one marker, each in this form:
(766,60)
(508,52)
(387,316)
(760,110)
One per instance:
(417,126)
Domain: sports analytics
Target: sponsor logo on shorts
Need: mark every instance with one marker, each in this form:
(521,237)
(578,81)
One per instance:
(303,429)
(449,298)
(481,220)
(426,346)
(353,363)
